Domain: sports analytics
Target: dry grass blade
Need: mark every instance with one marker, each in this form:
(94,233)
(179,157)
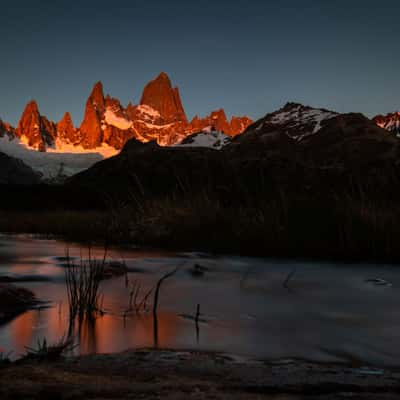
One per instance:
(158,286)
(137,303)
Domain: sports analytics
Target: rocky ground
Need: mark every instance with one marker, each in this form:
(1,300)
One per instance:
(152,374)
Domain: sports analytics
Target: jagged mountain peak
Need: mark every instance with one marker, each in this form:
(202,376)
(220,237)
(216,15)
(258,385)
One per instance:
(292,105)
(6,129)
(163,76)
(97,95)
(220,112)
(97,88)
(159,116)
(32,105)
(31,110)
(162,97)
(66,118)
(66,131)
(162,80)
(296,120)
(34,129)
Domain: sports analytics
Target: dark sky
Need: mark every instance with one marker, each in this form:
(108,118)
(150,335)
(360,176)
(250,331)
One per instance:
(248,56)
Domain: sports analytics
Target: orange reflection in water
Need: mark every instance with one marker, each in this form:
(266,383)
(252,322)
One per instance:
(109,333)
(22,330)
(36,325)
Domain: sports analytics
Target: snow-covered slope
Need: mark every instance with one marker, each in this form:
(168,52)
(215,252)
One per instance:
(67,160)
(206,138)
(64,159)
(296,120)
(111,118)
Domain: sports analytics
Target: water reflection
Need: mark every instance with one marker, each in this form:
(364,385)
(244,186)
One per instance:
(86,334)
(103,334)
(330,313)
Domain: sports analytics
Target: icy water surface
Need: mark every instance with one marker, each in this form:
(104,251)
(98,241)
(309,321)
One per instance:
(327,312)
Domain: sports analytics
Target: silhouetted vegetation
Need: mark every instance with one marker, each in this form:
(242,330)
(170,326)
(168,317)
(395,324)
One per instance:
(350,221)
(83,281)
(274,210)
(14,300)
(45,352)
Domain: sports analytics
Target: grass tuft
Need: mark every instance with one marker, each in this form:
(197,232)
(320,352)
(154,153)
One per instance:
(45,352)
(82,282)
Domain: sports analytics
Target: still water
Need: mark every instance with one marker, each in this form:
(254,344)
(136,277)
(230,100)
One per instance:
(328,312)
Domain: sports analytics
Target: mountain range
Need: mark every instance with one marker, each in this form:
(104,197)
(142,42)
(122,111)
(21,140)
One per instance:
(295,145)
(56,151)
(159,116)
(300,181)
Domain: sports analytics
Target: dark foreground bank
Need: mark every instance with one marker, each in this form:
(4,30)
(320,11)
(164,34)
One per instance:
(351,224)
(14,300)
(152,374)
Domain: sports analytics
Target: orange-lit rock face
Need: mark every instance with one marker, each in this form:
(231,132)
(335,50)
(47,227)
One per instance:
(116,124)
(219,122)
(160,96)
(160,116)
(390,122)
(239,125)
(66,130)
(35,129)
(6,129)
(90,130)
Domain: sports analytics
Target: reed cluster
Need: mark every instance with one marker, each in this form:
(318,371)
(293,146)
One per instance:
(83,282)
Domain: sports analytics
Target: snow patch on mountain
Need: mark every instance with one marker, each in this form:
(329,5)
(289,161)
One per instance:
(119,122)
(297,120)
(206,138)
(148,111)
(153,126)
(104,150)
